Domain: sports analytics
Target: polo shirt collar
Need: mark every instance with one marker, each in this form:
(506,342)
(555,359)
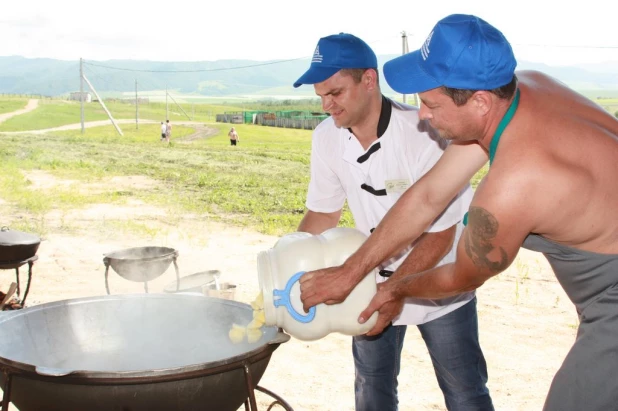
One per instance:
(354,152)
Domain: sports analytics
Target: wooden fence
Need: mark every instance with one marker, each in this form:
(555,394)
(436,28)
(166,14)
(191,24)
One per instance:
(37,96)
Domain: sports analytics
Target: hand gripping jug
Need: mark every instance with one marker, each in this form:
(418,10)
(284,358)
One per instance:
(280,268)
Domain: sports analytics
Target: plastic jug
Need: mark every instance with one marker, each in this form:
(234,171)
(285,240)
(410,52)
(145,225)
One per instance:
(280,268)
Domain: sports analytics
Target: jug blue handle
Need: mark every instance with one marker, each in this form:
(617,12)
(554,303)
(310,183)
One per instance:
(282,298)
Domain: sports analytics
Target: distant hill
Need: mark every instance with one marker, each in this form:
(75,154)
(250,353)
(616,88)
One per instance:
(220,78)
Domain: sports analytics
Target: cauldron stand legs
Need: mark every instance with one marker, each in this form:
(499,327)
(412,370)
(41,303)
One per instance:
(16,264)
(278,400)
(251,402)
(106,262)
(177,273)
(6,391)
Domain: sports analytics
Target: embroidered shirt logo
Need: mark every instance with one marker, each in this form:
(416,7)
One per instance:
(425,48)
(317,57)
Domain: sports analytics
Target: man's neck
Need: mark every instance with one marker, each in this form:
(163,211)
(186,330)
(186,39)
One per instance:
(366,131)
(499,110)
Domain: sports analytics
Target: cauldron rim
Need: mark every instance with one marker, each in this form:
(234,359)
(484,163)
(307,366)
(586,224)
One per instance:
(125,254)
(157,375)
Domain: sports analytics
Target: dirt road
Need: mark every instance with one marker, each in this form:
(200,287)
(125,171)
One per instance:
(32,104)
(201,130)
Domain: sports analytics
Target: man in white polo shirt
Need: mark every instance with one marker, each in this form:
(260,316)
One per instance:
(369,152)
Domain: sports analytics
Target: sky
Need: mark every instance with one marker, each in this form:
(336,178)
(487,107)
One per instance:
(542,31)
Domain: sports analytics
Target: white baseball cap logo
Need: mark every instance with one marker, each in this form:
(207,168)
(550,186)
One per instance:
(425,47)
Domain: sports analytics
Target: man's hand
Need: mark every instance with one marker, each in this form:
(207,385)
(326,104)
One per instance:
(386,303)
(329,285)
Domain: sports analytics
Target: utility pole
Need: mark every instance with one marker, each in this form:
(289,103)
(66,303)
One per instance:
(404,50)
(81,90)
(166,109)
(103,105)
(181,109)
(136,108)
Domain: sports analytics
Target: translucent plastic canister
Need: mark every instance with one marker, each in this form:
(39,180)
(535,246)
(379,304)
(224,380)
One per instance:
(280,268)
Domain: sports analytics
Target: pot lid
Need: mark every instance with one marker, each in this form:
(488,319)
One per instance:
(13,237)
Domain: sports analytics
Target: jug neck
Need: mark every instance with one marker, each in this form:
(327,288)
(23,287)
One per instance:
(265,279)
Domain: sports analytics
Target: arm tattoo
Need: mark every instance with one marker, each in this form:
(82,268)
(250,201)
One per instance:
(482,228)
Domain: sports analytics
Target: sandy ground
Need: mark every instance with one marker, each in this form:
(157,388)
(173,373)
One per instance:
(527,323)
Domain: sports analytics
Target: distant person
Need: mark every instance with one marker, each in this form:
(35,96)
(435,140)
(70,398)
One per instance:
(163,131)
(168,130)
(233,136)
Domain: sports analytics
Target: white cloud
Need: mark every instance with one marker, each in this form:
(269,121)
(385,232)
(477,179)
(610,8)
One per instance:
(189,30)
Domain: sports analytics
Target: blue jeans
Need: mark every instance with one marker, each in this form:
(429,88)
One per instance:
(452,341)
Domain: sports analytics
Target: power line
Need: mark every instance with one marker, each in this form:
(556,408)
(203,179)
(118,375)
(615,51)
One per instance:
(301,58)
(95,75)
(411,34)
(566,46)
(196,71)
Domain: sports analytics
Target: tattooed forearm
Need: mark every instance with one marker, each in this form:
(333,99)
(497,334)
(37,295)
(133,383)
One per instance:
(482,228)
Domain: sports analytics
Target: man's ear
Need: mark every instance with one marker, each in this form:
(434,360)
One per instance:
(482,102)
(370,78)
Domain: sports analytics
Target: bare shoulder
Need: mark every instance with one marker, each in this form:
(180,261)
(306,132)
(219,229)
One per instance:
(514,192)
(537,80)
(531,75)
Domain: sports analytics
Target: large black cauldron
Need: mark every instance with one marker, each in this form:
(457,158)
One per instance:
(17,246)
(137,352)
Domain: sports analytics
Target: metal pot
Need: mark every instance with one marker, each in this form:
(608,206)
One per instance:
(193,283)
(141,263)
(17,245)
(132,352)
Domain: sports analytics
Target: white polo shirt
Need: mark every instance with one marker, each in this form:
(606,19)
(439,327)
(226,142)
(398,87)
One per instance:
(372,181)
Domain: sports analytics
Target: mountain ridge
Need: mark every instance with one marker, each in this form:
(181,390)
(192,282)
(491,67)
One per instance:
(52,77)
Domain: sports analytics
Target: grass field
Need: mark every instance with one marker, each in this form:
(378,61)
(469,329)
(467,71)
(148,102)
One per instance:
(609,104)
(8,105)
(54,113)
(261,183)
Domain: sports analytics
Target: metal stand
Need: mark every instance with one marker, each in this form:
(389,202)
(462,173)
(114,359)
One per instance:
(6,390)
(251,400)
(278,400)
(107,263)
(7,265)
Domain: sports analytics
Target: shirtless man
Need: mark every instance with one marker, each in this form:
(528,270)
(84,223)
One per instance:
(168,130)
(163,131)
(233,135)
(551,187)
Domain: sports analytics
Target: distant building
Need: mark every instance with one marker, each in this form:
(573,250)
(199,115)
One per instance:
(79,96)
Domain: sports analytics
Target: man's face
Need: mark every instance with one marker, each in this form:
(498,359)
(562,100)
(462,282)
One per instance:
(345,100)
(449,120)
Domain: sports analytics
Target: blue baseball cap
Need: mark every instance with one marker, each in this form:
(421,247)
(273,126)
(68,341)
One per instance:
(336,52)
(462,51)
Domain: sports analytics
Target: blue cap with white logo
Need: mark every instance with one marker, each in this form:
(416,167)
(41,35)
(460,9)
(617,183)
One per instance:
(462,51)
(336,52)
